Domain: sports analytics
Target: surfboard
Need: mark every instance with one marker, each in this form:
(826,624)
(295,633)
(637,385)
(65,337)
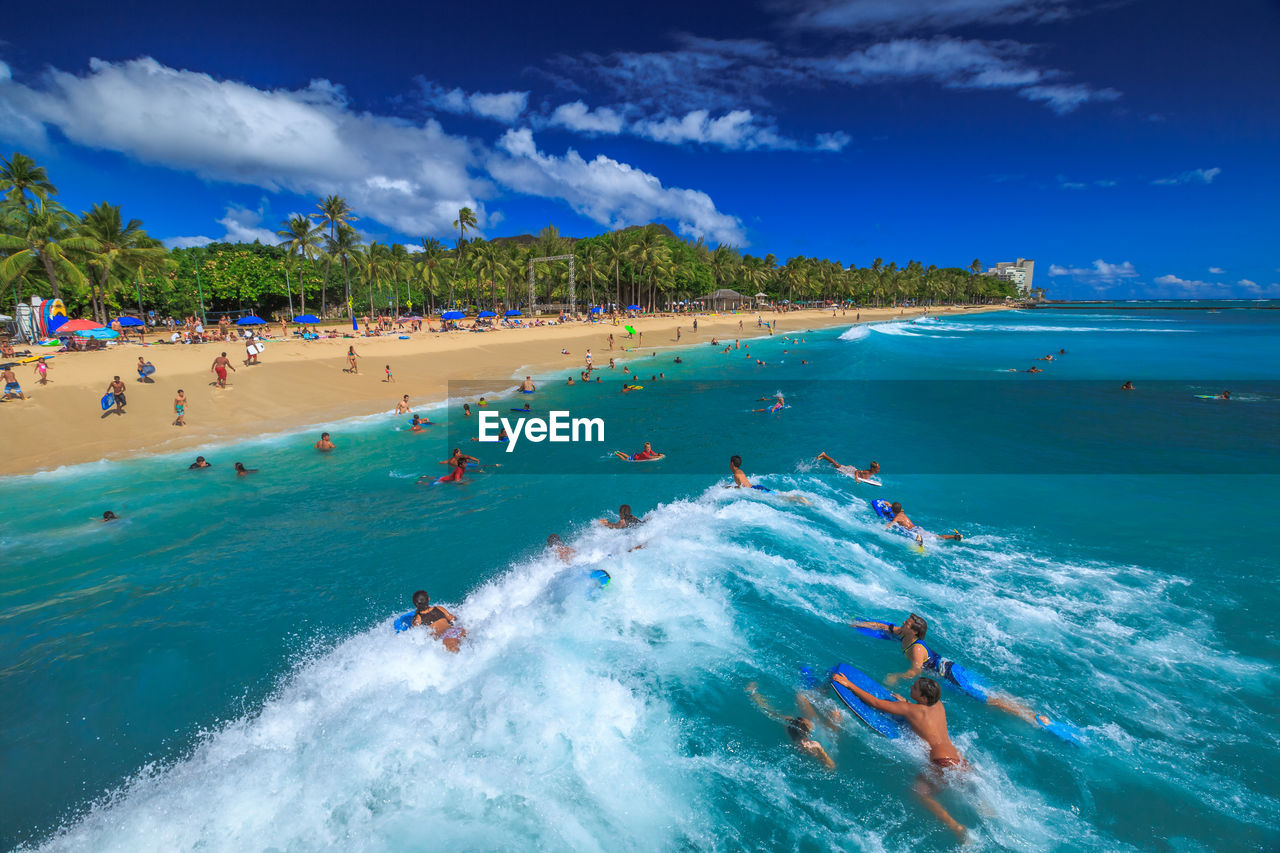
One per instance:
(1209,397)
(108,400)
(878,721)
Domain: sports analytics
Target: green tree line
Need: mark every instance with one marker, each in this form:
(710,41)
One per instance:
(101,264)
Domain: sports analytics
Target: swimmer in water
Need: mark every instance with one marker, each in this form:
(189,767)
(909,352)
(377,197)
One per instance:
(873,470)
(1225,395)
(200,462)
(458,454)
(1034,370)
(242,471)
(642,456)
(527,385)
(928,719)
(324,444)
(527,408)
(1128,386)
(900,519)
(800,728)
(438,620)
(625,519)
(110,516)
(563,551)
(778,404)
(418,423)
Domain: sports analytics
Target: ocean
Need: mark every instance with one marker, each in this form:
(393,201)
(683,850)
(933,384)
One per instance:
(217,669)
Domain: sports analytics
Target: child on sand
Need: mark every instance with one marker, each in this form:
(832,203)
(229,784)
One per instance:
(180,408)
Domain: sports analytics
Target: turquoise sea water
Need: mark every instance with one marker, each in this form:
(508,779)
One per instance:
(216,670)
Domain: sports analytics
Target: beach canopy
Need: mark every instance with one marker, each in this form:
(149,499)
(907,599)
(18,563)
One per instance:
(79,326)
(486,314)
(129,321)
(513,313)
(251,321)
(596,310)
(633,307)
(98,334)
(306,318)
(453,315)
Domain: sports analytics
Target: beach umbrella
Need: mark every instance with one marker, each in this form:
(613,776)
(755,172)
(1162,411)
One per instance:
(79,326)
(306,319)
(513,313)
(128,321)
(596,310)
(98,334)
(452,315)
(486,314)
(251,321)
(633,307)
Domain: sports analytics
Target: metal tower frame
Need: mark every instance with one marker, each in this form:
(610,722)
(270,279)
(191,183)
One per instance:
(533,296)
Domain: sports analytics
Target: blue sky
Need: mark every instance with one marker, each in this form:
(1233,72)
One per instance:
(1129,147)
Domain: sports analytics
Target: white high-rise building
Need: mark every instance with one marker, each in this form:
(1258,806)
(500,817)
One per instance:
(1019,272)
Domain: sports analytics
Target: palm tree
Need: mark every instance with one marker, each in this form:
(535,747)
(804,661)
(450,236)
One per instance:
(466,219)
(113,246)
(374,264)
(41,234)
(301,238)
(20,175)
(432,255)
(342,247)
(334,213)
(397,265)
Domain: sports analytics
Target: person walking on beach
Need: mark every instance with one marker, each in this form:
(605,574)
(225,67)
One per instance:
(351,360)
(677,334)
(42,371)
(324,444)
(402,408)
(928,719)
(11,386)
(219,368)
(800,728)
(116,390)
(145,369)
(389,378)
(611,342)
(180,408)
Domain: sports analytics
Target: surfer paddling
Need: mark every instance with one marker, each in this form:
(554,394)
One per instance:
(868,476)
(928,719)
(438,620)
(900,519)
(625,519)
(643,456)
(779,403)
(911,634)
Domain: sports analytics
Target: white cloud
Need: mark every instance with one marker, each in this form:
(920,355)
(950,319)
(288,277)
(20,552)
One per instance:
(1180,288)
(1195,176)
(578,117)
(186,242)
(877,15)
(738,129)
(608,192)
(1101,272)
(411,177)
(1063,99)
(1247,284)
(1217,270)
(500,106)
(241,225)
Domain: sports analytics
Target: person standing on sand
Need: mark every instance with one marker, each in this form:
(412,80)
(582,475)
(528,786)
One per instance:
(389,378)
(219,369)
(611,342)
(116,390)
(402,408)
(42,371)
(180,408)
(11,386)
(351,360)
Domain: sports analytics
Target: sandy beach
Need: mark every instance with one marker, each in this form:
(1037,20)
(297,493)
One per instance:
(300,383)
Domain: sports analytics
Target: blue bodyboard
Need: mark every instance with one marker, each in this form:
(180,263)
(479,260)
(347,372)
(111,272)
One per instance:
(885,724)
(108,400)
(405,622)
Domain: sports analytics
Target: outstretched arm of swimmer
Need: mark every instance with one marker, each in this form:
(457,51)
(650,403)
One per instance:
(806,708)
(918,659)
(884,626)
(899,709)
(763,703)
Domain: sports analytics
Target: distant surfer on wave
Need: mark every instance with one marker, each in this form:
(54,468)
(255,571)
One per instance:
(900,519)
(869,475)
(928,719)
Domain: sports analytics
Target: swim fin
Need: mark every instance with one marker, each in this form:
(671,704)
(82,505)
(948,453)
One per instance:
(1060,729)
